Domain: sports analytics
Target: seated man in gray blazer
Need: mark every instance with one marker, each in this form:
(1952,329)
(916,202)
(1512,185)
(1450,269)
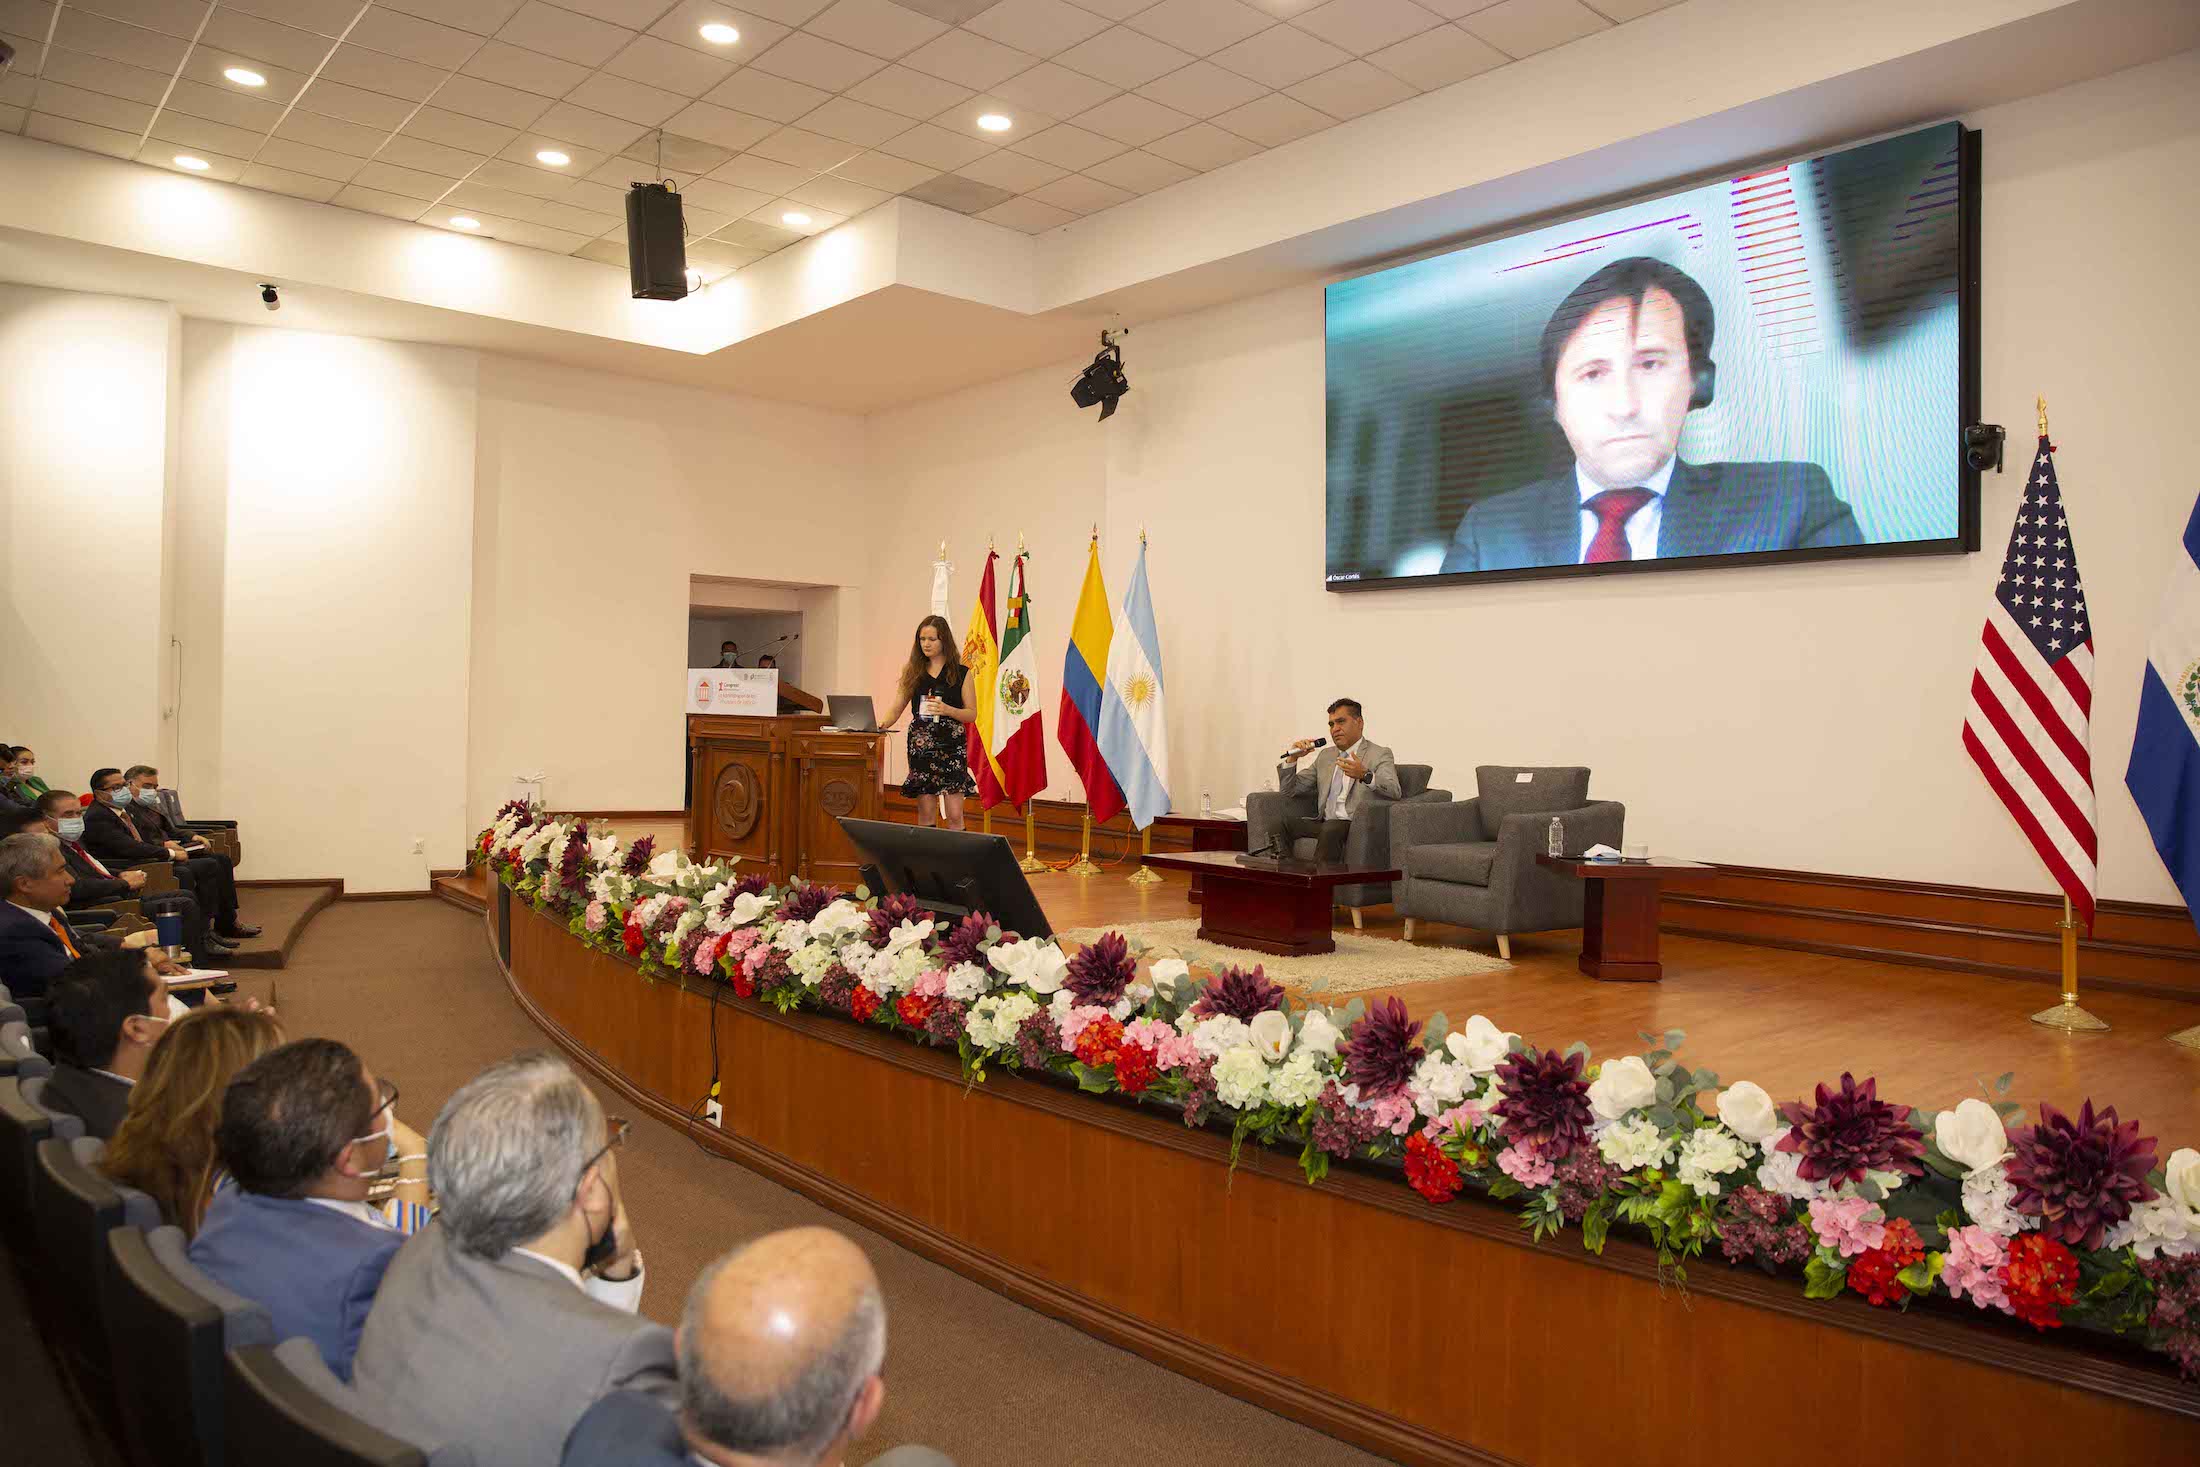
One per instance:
(106,1012)
(503,1320)
(780,1352)
(1344,772)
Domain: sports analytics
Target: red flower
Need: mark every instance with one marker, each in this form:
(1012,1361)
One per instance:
(1873,1272)
(1432,1174)
(635,941)
(1099,1040)
(1135,1067)
(744,982)
(2040,1278)
(862,1004)
(915,1008)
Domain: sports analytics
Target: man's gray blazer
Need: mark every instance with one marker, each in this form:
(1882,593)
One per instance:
(1382,777)
(502,1355)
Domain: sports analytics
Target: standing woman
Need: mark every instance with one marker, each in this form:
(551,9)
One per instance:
(939,766)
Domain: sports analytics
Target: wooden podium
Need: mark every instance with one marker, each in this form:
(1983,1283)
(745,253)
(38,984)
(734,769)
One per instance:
(772,792)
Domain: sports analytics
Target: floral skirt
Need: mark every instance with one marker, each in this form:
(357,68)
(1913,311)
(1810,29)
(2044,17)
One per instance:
(938,761)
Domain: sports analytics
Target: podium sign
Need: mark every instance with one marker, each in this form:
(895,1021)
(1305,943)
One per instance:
(733,690)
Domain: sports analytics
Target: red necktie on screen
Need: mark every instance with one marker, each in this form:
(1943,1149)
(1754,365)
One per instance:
(1612,509)
(67,945)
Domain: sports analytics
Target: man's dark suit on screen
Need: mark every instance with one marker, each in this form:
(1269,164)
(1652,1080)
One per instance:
(1709,509)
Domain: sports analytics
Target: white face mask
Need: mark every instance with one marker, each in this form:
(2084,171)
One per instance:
(389,1144)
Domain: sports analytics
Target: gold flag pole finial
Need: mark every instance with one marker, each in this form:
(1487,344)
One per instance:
(1141,534)
(943,550)
(1095,529)
(2041,403)
(1019,542)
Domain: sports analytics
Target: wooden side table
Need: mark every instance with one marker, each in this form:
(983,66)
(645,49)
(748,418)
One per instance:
(1619,929)
(1209,833)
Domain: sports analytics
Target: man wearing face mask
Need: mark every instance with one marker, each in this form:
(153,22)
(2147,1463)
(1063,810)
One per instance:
(97,884)
(105,1013)
(503,1320)
(112,833)
(305,1130)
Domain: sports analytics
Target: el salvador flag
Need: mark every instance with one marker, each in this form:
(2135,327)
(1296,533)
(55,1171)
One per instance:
(2164,774)
(1134,733)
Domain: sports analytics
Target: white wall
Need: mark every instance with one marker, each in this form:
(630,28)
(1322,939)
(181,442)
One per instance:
(1803,717)
(85,408)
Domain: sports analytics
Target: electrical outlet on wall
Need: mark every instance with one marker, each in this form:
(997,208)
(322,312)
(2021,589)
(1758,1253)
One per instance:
(420,845)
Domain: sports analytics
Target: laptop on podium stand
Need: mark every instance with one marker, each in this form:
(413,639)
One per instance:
(852,712)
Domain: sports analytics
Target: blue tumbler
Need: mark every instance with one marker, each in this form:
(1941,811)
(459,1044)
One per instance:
(168,926)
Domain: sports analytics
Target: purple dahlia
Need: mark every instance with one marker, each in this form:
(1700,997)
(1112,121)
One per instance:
(754,884)
(1849,1132)
(891,912)
(2080,1177)
(1544,1101)
(966,939)
(1101,970)
(807,899)
(1239,994)
(573,860)
(1382,1050)
(637,856)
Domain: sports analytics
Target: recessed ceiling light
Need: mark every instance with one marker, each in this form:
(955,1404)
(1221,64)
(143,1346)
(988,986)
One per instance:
(795,219)
(196,165)
(994,122)
(552,157)
(720,34)
(460,221)
(244,77)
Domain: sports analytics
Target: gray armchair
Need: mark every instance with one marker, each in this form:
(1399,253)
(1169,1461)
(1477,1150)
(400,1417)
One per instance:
(1472,863)
(1369,844)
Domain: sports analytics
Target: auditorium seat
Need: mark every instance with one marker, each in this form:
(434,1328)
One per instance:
(283,1408)
(65,1127)
(22,1126)
(168,1326)
(19,1054)
(1369,844)
(72,1210)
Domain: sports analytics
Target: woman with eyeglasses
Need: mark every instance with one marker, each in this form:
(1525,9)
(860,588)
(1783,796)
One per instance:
(165,1145)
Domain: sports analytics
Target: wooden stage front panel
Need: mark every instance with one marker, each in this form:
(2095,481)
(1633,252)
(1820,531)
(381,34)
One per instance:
(1427,1334)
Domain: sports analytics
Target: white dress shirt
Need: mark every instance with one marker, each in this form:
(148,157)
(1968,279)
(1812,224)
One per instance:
(364,1211)
(43,919)
(1642,525)
(1340,784)
(624,1295)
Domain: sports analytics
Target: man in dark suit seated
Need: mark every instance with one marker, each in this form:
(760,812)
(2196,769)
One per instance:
(112,834)
(1625,358)
(780,1352)
(304,1131)
(106,1012)
(60,814)
(509,1315)
(35,944)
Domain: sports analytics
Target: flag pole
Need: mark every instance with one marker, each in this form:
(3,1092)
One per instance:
(1031,861)
(1145,875)
(1083,866)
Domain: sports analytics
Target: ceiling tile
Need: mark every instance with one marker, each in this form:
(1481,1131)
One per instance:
(303,158)
(675,68)
(323,17)
(1438,58)
(1041,27)
(453,131)
(1115,9)
(934,146)
(490,101)
(725,200)
(598,197)
(1285,9)
(394,33)
(1012,171)
(765,237)
(1124,57)
(1623,11)
(541,178)
(482,17)
(200,135)
(839,195)
(264,40)
(1201,27)
(786,12)
(774,215)
(411,183)
(853,122)
(817,62)
(634,14)
(425,157)
(1028,215)
(206,64)
(48,128)
(479,198)
(576,38)
(879,27)
(94,107)
(1524,27)
(911,93)
(169,17)
(963,194)
(1203,146)
(374,201)
(217,104)
(227,170)
(117,79)
(1351,90)
(1131,119)
(1068,146)
(975,62)
(77,30)
(312,128)
(353,104)
(1202,89)
(949,12)
(1274,120)
(518,178)
(1455,9)
(721,125)
(529,71)
(1054,90)
(1139,172)
(762,174)
(1080,195)
(615,96)
(604,252)
(1280,56)
(592,129)
(683,26)
(1361,26)
(670,153)
(765,95)
(283,181)
(883,170)
(358,67)
(800,149)
(1023,122)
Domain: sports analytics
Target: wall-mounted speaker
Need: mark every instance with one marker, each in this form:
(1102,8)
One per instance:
(656,243)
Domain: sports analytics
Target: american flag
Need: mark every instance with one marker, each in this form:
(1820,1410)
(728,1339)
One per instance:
(2028,723)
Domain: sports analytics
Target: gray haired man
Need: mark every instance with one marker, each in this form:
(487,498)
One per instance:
(503,1320)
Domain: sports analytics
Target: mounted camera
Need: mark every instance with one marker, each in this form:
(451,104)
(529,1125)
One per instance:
(1982,444)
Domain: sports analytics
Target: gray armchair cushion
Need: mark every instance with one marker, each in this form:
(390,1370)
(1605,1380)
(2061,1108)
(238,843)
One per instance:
(1473,863)
(1548,790)
(1369,844)
(1413,779)
(67,1126)
(1468,861)
(139,1210)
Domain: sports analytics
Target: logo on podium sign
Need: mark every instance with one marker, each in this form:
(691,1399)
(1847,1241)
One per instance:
(733,690)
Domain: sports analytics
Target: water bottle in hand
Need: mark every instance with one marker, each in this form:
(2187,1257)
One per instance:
(1558,837)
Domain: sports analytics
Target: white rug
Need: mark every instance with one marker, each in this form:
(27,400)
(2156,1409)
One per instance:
(1360,963)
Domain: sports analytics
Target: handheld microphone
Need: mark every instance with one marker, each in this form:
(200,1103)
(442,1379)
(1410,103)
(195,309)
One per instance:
(1312,745)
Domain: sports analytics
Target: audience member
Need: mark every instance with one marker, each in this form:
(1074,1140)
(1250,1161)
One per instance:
(509,1315)
(304,1132)
(16,792)
(35,944)
(26,770)
(780,1352)
(61,815)
(111,833)
(106,1012)
(152,816)
(165,1145)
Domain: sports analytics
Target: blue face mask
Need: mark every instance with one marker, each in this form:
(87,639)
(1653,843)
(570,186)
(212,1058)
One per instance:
(148,797)
(72,827)
(119,795)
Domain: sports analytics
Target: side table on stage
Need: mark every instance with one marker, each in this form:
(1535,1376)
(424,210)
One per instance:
(1270,904)
(1619,930)
(1208,833)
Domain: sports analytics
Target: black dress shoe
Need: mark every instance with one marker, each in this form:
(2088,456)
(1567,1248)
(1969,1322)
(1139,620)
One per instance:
(237,932)
(217,945)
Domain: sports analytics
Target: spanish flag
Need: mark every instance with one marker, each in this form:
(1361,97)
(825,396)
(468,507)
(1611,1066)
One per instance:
(1084,667)
(982,665)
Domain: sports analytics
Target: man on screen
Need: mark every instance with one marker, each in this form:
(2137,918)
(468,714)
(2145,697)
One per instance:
(1625,358)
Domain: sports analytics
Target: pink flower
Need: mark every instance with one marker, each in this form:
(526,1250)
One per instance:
(1074,1022)
(707,953)
(1848,1225)
(1973,1266)
(1171,1050)
(1527,1165)
(754,958)
(740,941)
(596,916)
(1458,1119)
(931,983)
(1394,1113)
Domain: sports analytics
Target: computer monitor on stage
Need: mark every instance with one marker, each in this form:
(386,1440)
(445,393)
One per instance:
(952,872)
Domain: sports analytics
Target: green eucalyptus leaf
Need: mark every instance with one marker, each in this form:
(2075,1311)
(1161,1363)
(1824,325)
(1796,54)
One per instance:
(1673,1038)
(1432,1036)
(1579,1047)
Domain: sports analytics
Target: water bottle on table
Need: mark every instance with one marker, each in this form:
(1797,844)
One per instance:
(1558,837)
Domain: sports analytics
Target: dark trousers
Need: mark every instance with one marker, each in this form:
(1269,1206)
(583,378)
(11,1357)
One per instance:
(214,882)
(1328,835)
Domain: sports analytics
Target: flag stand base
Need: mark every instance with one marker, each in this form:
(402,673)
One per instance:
(2188,1038)
(2067,1016)
(1083,865)
(1031,861)
(1145,875)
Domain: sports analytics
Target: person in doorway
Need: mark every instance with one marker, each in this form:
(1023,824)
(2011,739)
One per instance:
(939,761)
(767,660)
(729,654)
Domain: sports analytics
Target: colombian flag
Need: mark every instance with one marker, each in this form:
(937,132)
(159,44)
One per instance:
(982,664)
(1083,667)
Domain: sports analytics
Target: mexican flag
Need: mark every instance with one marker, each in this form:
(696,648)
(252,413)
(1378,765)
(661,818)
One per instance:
(1019,729)
(981,660)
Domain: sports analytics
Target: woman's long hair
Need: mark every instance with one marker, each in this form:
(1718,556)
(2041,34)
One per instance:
(919,664)
(165,1145)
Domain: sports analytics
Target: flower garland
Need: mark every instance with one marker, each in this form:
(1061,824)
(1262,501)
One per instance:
(2063,1221)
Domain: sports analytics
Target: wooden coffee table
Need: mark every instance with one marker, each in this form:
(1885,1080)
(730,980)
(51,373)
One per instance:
(1619,929)
(1208,833)
(1269,903)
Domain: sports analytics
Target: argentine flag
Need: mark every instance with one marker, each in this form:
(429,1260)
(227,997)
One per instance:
(2164,773)
(1134,733)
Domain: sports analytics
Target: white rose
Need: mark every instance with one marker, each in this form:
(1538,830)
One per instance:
(2181,1178)
(909,932)
(841,917)
(665,864)
(1271,1036)
(1167,973)
(1748,1112)
(1317,1035)
(1971,1136)
(1048,969)
(1012,960)
(1481,1046)
(1622,1085)
(749,906)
